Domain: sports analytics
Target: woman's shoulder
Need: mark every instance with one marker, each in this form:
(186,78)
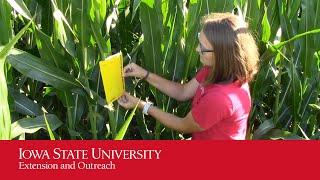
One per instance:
(202,74)
(227,91)
(216,94)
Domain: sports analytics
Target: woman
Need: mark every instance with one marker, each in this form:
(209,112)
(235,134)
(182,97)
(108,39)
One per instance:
(220,91)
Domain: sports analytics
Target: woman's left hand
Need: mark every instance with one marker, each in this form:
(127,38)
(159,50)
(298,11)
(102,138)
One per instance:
(128,101)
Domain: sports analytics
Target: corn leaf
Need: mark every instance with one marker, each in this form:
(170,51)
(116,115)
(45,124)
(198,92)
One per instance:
(151,29)
(271,51)
(308,22)
(135,7)
(31,125)
(24,105)
(48,128)
(67,36)
(126,124)
(263,129)
(47,51)
(277,134)
(37,69)
(21,8)
(98,11)
(5,19)
(209,6)
(4,107)
(193,26)
(265,27)
(252,14)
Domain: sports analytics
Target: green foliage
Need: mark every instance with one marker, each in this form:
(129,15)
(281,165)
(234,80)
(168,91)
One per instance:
(31,125)
(54,66)
(126,124)
(4,107)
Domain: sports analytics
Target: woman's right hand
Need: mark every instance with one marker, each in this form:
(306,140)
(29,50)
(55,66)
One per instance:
(134,70)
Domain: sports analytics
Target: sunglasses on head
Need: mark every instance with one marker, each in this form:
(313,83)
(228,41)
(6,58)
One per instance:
(203,49)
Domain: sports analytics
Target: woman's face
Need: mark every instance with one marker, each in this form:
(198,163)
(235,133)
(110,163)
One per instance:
(205,50)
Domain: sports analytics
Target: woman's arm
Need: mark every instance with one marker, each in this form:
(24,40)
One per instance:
(185,125)
(180,92)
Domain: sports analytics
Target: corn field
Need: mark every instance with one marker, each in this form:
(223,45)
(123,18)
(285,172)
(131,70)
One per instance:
(50,50)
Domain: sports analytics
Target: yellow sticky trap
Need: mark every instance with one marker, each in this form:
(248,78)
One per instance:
(112,79)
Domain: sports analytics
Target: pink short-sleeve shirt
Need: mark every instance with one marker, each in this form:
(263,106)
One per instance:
(221,109)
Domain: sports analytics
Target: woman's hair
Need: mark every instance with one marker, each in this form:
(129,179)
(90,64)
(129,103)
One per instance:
(236,52)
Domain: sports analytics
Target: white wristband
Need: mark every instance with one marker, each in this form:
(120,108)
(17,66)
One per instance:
(146,108)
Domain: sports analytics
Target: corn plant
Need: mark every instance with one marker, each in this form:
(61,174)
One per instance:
(285,93)
(53,79)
